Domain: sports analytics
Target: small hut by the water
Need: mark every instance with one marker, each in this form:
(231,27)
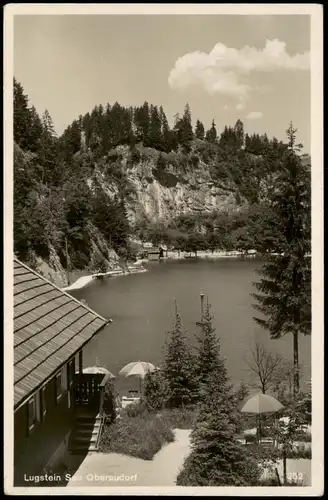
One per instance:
(155,253)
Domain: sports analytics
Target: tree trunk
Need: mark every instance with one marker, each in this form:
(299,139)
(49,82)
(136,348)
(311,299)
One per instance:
(285,466)
(296,365)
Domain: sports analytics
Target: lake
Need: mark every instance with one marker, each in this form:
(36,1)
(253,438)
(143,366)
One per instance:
(141,306)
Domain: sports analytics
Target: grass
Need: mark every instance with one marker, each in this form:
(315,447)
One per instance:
(141,434)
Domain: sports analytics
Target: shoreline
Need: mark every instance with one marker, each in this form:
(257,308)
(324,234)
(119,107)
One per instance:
(83,281)
(209,255)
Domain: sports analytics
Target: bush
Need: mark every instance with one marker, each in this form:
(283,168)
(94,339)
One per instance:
(194,161)
(140,436)
(271,454)
(136,410)
(99,264)
(109,406)
(156,391)
(299,453)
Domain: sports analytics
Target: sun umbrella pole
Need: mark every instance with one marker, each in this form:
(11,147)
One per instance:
(259,428)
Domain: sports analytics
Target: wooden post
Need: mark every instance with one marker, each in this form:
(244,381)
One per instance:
(101,403)
(202,306)
(80,362)
(27,416)
(284,461)
(67,267)
(277,476)
(259,428)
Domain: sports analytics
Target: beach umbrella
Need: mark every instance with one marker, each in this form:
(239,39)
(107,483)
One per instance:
(98,369)
(137,369)
(261,403)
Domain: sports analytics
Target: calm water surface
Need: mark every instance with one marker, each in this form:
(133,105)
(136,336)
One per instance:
(141,307)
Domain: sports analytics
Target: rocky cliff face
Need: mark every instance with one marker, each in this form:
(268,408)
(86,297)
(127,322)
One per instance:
(53,270)
(161,188)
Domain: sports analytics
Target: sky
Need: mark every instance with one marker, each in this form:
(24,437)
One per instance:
(227,67)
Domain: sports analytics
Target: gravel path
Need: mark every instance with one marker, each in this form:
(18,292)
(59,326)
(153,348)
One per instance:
(112,469)
(122,470)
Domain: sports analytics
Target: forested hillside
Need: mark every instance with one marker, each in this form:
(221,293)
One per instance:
(120,173)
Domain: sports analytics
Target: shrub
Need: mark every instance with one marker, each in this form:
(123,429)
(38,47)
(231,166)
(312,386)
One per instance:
(194,161)
(99,263)
(299,453)
(109,406)
(136,410)
(156,391)
(140,436)
(135,156)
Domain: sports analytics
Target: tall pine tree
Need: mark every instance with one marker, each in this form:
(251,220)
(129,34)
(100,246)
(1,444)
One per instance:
(199,130)
(285,286)
(217,458)
(178,366)
(22,116)
(155,133)
(208,356)
(211,134)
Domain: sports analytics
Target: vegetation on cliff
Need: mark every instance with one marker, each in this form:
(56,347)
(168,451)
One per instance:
(69,187)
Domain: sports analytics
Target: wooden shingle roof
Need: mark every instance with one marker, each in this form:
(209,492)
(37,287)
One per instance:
(50,326)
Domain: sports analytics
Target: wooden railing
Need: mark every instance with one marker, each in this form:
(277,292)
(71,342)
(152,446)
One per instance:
(89,390)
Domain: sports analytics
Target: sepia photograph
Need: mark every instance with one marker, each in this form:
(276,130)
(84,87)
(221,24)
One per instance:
(163,267)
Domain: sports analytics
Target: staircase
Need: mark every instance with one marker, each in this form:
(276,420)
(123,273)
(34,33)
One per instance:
(86,433)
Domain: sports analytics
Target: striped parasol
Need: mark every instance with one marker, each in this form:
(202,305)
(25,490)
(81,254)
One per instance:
(137,369)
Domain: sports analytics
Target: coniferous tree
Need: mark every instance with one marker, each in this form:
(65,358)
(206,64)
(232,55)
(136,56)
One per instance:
(22,116)
(211,134)
(239,131)
(187,127)
(155,133)
(48,152)
(209,361)
(183,128)
(178,366)
(48,124)
(285,287)
(217,458)
(199,130)
(165,132)
(142,122)
(35,131)
(70,141)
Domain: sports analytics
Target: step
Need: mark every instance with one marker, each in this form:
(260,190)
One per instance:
(82,440)
(88,415)
(85,432)
(87,427)
(82,449)
(87,422)
(88,419)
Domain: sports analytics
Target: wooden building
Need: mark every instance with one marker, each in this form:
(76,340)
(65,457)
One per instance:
(155,253)
(51,329)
